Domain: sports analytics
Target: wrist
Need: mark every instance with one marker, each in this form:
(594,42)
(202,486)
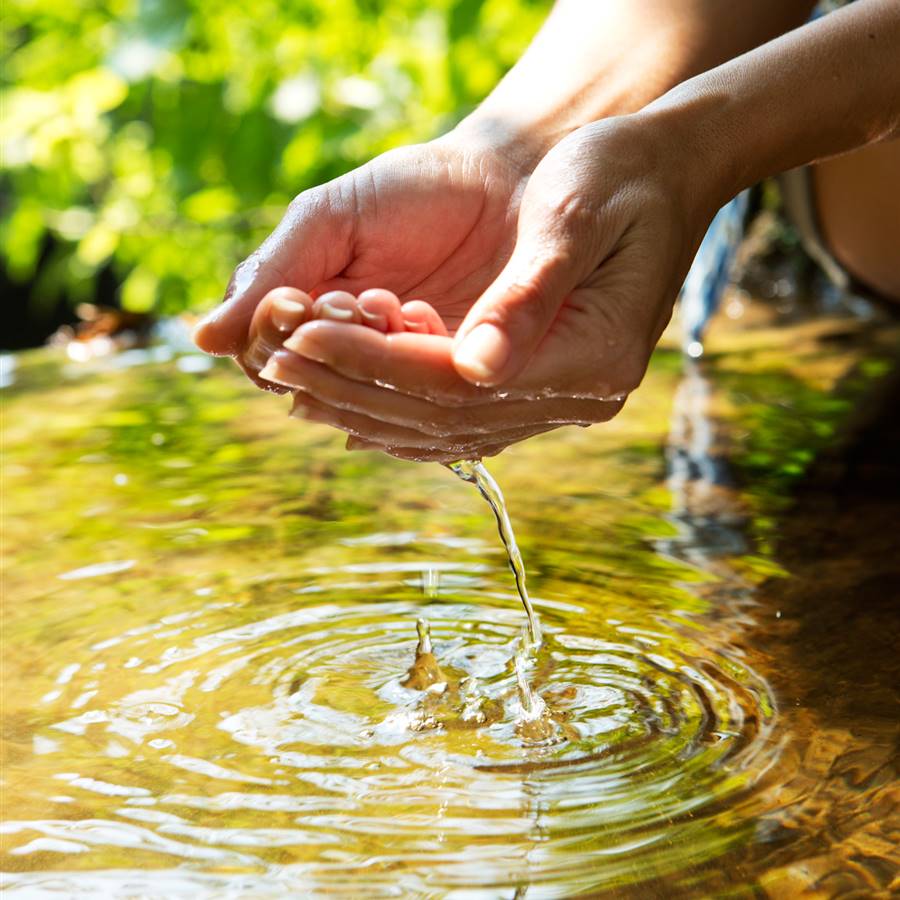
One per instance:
(520,144)
(701,144)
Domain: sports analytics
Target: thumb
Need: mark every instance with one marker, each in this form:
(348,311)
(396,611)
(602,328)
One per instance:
(308,246)
(505,326)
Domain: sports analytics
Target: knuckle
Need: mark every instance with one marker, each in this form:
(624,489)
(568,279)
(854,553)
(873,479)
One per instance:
(534,291)
(573,209)
(530,292)
(300,205)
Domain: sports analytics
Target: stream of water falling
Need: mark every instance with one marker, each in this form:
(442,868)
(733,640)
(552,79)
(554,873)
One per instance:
(534,721)
(474,471)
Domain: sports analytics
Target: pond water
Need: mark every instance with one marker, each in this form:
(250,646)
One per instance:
(214,684)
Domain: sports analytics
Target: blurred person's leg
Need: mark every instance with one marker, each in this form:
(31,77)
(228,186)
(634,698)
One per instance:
(857,200)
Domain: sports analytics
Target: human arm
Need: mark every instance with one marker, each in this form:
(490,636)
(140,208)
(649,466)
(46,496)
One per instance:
(609,223)
(820,90)
(596,59)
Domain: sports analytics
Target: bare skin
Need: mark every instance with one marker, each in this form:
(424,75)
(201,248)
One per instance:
(284,309)
(276,327)
(438,221)
(858,204)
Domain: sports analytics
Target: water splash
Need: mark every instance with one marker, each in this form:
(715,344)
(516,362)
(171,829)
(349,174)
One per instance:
(425,670)
(535,723)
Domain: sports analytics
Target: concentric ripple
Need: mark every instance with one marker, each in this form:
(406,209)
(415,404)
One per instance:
(303,743)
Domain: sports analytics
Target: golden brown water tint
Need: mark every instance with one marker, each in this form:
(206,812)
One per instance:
(211,679)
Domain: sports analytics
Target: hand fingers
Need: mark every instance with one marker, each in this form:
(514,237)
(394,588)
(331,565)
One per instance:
(380,309)
(561,239)
(360,425)
(422,318)
(601,342)
(337,306)
(418,454)
(372,431)
(311,244)
(416,364)
(278,315)
(427,417)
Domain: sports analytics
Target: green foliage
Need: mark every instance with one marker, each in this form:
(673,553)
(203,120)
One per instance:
(163,138)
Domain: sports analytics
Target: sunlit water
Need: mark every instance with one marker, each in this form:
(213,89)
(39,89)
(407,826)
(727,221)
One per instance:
(475,472)
(240,661)
(536,719)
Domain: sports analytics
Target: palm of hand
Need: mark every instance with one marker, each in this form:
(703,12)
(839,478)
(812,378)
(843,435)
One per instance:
(429,224)
(434,222)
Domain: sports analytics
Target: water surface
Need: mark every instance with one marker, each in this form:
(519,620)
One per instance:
(211,681)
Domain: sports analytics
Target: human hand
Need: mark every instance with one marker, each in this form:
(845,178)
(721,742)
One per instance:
(434,221)
(609,223)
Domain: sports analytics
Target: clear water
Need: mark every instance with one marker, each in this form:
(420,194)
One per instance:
(475,472)
(213,682)
(535,722)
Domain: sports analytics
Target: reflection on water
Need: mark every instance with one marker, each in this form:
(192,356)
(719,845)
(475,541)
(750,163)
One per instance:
(704,501)
(241,661)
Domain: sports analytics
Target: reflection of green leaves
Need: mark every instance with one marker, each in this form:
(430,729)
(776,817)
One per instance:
(786,423)
(163,138)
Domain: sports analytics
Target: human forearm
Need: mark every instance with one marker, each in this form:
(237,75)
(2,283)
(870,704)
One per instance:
(826,88)
(594,59)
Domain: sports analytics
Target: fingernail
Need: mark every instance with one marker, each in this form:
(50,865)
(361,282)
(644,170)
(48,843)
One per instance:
(286,314)
(269,371)
(278,371)
(374,320)
(483,352)
(301,344)
(416,327)
(356,443)
(310,414)
(258,353)
(327,311)
(303,409)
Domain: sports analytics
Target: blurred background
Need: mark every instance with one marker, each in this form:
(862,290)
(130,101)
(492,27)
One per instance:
(147,145)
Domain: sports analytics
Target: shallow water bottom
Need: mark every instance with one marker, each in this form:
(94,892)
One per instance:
(211,685)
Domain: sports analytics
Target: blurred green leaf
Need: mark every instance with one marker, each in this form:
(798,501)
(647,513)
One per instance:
(139,290)
(161,139)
